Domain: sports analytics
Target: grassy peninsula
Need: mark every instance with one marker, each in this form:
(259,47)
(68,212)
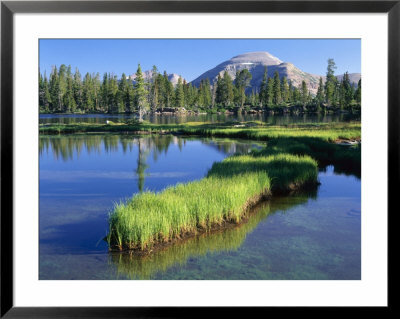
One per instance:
(228,239)
(225,195)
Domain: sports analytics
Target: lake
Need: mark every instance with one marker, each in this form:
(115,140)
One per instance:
(308,235)
(213,118)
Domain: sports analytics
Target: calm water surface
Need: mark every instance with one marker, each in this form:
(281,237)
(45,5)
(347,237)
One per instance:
(315,235)
(214,118)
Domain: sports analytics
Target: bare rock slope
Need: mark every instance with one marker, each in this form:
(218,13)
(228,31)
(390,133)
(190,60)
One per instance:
(255,62)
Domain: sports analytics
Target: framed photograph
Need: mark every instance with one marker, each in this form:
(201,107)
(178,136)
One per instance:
(158,156)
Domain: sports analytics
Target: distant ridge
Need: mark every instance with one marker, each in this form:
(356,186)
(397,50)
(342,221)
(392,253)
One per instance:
(255,62)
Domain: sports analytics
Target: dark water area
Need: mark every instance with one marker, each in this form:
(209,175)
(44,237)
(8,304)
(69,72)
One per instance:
(214,118)
(311,235)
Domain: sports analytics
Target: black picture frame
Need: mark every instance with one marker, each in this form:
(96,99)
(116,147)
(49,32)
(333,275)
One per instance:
(9,8)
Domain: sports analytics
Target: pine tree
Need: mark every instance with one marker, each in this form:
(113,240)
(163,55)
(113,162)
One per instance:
(213,95)
(331,83)
(46,93)
(87,98)
(347,90)
(304,93)
(185,93)
(179,94)
(54,89)
(62,84)
(277,89)
(96,91)
(219,90)
(113,93)
(77,88)
(342,95)
(296,96)
(291,92)
(155,89)
(201,94)
(140,93)
(285,90)
(207,93)
(104,93)
(253,98)
(320,93)
(68,98)
(336,93)
(358,93)
(228,90)
(242,81)
(191,96)
(130,96)
(122,100)
(168,90)
(264,89)
(270,92)
(41,91)
(224,91)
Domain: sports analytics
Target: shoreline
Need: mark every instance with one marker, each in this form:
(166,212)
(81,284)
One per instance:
(293,110)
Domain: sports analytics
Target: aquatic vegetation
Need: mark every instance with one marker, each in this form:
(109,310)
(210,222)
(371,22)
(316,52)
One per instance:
(135,266)
(344,158)
(287,172)
(224,196)
(248,130)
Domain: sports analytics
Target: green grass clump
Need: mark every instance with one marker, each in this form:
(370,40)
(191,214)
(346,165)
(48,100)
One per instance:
(327,132)
(230,188)
(150,217)
(144,267)
(285,171)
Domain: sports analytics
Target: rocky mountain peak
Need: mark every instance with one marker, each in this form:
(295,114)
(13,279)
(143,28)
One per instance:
(261,57)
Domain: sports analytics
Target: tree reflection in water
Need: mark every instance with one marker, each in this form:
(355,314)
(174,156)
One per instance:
(68,147)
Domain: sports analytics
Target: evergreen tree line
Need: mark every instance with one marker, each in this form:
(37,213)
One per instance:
(67,92)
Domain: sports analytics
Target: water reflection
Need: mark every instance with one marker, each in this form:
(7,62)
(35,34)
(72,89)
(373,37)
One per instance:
(81,176)
(144,267)
(141,162)
(214,118)
(69,148)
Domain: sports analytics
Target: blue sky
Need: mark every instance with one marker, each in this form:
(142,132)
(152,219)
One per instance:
(191,58)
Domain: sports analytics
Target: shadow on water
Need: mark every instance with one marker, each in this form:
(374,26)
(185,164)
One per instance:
(133,266)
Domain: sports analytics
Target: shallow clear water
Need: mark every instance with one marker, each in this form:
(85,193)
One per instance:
(173,119)
(313,235)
